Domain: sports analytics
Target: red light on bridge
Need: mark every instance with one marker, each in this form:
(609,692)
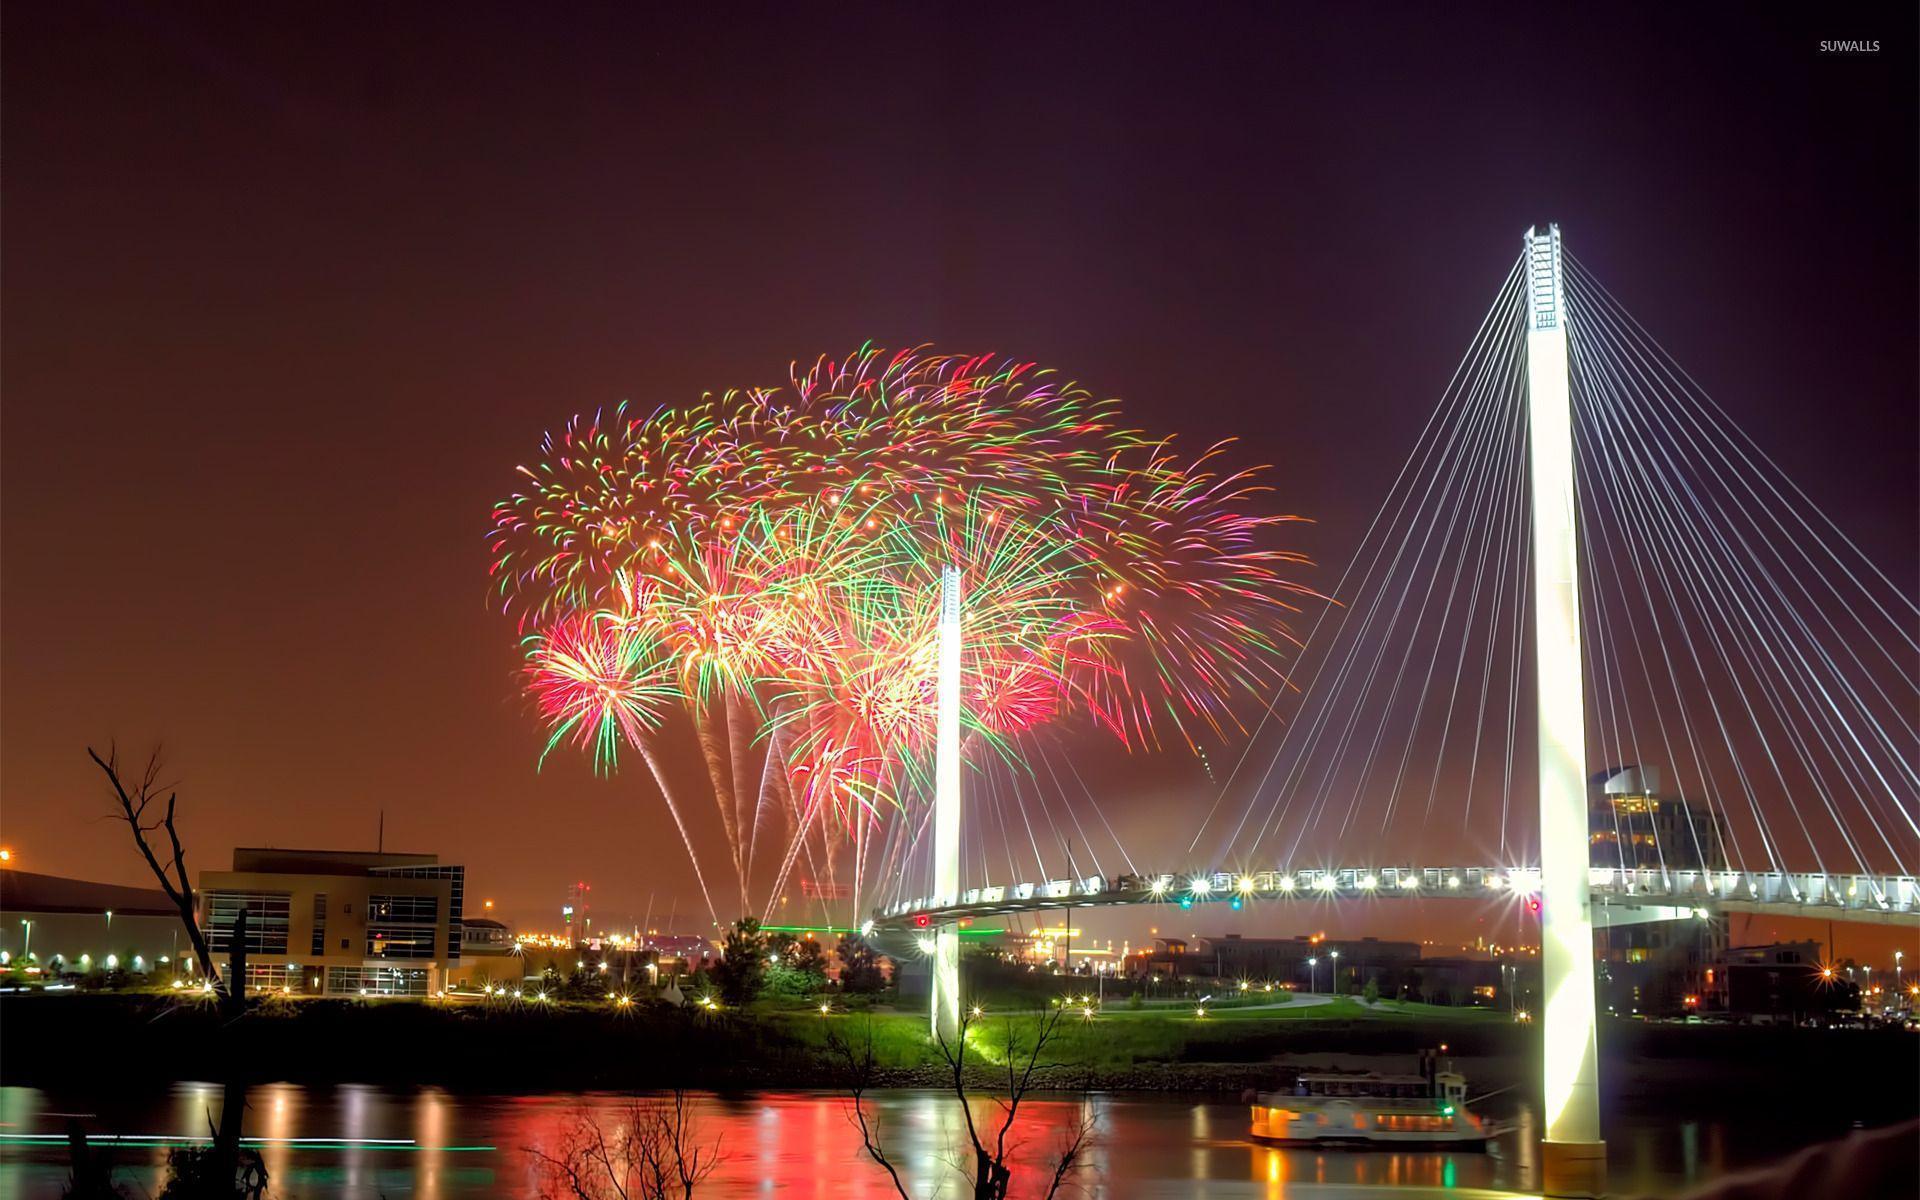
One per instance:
(921,920)
(1533,905)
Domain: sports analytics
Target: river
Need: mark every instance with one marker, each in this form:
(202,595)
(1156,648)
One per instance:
(322,1143)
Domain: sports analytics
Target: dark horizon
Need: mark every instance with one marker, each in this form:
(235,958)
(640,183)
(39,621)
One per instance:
(288,300)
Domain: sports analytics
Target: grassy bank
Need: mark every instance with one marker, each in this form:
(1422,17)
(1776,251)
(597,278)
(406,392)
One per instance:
(536,1046)
(145,1041)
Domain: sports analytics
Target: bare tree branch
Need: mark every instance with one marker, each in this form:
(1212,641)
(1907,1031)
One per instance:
(860,1072)
(1072,1150)
(178,886)
(654,1154)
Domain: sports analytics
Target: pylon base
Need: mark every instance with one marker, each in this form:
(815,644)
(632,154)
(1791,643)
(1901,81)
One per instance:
(1573,1169)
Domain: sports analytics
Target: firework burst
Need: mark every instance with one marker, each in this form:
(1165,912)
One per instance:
(764,562)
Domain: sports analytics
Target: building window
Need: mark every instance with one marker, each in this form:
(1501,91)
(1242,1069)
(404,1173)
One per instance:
(319,922)
(271,978)
(345,945)
(402,926)
(376,981)
(456,878)
(268,916)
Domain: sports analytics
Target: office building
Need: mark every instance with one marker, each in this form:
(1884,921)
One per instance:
(1632,824)
(338,922)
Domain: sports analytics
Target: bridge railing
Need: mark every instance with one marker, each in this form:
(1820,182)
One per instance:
(1864,893)
(1702,888)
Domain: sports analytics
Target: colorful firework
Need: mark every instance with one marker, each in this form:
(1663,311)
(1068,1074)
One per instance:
(763,561)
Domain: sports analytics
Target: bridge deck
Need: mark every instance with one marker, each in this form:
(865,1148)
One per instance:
(1879,899)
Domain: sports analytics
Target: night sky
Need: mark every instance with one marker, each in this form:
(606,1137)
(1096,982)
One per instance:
(288,297)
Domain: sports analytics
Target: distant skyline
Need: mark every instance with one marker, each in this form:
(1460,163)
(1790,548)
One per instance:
(286,302)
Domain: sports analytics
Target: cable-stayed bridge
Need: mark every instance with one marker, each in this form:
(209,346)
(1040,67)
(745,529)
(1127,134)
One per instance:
(1583,560)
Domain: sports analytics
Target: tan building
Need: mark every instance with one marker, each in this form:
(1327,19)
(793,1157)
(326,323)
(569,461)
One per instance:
(338,922)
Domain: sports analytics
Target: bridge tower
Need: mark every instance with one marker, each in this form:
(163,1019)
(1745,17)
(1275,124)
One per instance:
(945,991)
(1573,1156)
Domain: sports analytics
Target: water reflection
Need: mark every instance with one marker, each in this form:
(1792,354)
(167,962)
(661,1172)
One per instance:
(322,1143)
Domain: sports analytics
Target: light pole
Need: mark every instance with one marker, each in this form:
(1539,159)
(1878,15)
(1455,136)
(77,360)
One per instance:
(26,947)
(1335,987)
(1313,975)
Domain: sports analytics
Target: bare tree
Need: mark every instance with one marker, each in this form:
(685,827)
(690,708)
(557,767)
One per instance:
(136,797)
(653,1153)
(219,1173)
(992,1151)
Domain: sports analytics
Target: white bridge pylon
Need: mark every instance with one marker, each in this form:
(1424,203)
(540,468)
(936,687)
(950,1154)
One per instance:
(1573,1150)
(945,992)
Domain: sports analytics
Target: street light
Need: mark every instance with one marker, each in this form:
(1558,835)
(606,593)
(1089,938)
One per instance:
(1335,983)
(1313,974)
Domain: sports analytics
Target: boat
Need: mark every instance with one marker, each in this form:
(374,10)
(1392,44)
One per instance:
(1370,1108)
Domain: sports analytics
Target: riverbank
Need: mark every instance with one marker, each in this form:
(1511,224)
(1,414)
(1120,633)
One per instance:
(141,1040)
